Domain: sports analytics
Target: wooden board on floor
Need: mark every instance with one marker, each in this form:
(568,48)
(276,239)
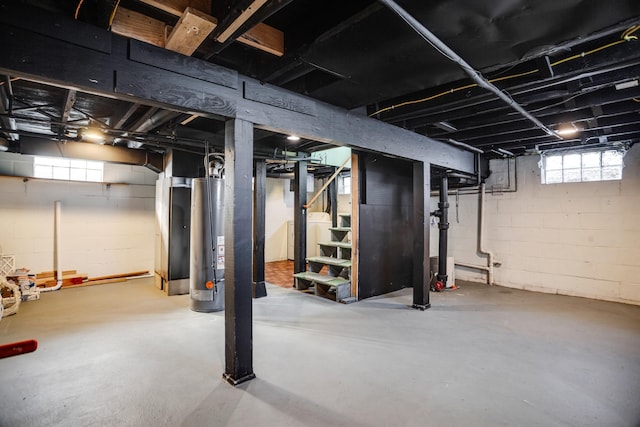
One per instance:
(119,276)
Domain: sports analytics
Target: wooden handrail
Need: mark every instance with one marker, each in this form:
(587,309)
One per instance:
(326,184)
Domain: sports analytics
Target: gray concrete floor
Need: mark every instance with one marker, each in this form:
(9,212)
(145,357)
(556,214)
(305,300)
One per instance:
(126,355)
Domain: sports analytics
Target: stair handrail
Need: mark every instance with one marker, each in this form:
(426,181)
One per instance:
(326,184)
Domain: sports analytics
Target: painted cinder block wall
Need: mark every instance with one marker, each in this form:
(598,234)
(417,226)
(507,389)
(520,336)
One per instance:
(580,239)
(105,229)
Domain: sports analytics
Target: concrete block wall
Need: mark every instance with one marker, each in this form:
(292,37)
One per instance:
(580,239)
(105,229)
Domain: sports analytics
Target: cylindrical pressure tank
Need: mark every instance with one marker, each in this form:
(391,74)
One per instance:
(206,278)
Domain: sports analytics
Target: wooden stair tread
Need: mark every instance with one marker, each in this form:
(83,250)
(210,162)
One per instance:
(336,244)
(330,261)
(321,278)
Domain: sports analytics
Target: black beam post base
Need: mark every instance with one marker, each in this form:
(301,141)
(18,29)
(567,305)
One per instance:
(259,289)
(234,382)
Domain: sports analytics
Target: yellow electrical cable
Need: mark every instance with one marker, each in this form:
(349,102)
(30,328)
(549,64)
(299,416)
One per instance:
(636,99)
(513,76)
(429,98)
(113,13)
(583,54)
(626,36)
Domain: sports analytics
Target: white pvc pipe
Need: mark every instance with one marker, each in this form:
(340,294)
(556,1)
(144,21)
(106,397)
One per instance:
(481,248)
(56,248)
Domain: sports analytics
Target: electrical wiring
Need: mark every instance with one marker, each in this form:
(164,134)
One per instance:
(626,36)
(113,12)
(75,16)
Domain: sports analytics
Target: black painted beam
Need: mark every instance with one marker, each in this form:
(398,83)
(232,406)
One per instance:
(66,53)
(421,212)
(259,210)
(300,217)
(238,221)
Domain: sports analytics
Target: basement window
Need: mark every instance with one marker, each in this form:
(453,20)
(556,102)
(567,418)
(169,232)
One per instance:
(67,169)
(344,184)
(585,166)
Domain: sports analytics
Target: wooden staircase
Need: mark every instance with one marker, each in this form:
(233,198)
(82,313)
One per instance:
(336,257)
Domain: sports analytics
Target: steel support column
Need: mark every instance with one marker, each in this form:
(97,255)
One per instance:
(421,209)
(259,209)
(238,159)
(300,217)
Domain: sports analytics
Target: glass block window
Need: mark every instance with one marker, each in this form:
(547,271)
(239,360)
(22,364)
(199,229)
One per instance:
(67,169)
(582,167)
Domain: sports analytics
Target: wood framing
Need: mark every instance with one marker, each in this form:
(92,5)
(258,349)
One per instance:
(177,7)
(236,23)
(262,36)
(190,31)
(137,26)
(95,61)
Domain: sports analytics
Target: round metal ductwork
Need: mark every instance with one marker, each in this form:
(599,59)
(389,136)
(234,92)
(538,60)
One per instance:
(4,144)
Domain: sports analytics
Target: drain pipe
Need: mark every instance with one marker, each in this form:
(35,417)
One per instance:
(443,225)
(481,248)
(475,75)
(56,248)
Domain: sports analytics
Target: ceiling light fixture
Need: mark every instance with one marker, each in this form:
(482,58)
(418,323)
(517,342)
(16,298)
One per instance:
(446,126)
(627,85)
(568,130)
(293,138)
(92,135)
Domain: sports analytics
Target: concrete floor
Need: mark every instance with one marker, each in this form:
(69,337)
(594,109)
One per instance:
(126,355)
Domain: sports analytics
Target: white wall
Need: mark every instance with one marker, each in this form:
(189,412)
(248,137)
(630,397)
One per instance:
(579,239)
(105,229)
(279,210)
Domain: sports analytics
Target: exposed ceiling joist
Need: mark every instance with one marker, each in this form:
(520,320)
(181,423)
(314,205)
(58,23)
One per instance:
(177,7)
(190,31)
(261,36)
(240,12)
(129,23)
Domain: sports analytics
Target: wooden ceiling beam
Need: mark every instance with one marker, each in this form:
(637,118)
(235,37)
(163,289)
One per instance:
(190,31)
(231,23)
(69,100)
(261,36)
(129,23)
(177,7)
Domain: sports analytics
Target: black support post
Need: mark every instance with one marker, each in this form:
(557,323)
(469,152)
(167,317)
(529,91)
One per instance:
(333,198)
(259,206)
(238,159)
(300,217)
(443,226)
(421,209)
